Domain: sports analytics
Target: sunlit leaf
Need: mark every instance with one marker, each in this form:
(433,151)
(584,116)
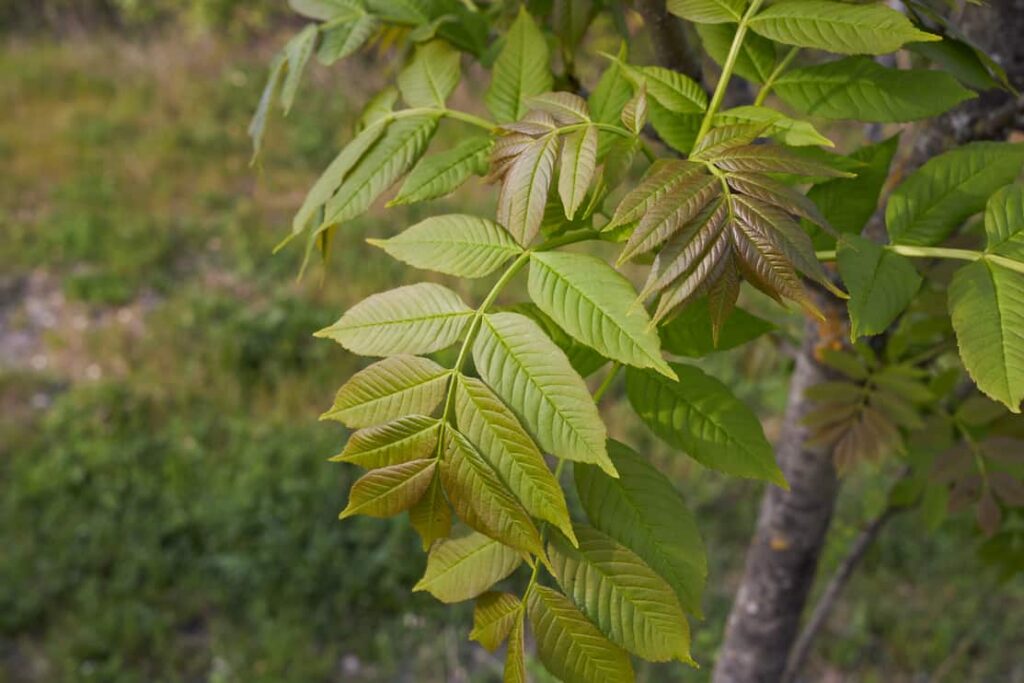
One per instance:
(462,568)
(456,244)
(533,376)
(520,71)
(419,318)
(387,491)
(389,389)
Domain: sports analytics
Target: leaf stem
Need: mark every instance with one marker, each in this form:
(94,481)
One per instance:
(939,252)
(774,76)
(606,383)
(727,68)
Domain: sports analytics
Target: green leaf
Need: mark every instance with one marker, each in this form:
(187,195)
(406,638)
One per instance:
(846,28)
(881,284)
(431,76)
(515,656)
(961,60)
(678,131)
(524,192)
(455,244)
(521,71)
(420,318)
(609,96)
(708,11)
(534,378)
(643,511)
(401,146)
(569,645)
(482,500)
(700,416)
(634,113)
(757,56)
(258,124)
(297,53)
(493,619)
(387,491)
(462,568)
(408,438)
(849,203)
(597,306)
(1004,222)
(671,89)
(579,160)
(431,516)
(332,177)
(937,198)
(389,389)
(627,601)
(862,89)
(565,107)
(689,333)
(322,10)
(986,303)
(441,174)
(584,360)
(344,39)
(503,442)
(779,126)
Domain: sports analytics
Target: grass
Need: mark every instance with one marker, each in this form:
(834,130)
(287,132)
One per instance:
(166,511)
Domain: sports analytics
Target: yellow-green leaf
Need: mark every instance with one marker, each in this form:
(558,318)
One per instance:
(387,491)
(462,568)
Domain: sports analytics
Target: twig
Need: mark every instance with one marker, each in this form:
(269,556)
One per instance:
(823,608)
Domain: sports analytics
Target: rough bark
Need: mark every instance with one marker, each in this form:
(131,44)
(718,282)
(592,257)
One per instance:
(791,527)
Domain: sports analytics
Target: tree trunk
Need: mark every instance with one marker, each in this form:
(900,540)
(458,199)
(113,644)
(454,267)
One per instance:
(783,556)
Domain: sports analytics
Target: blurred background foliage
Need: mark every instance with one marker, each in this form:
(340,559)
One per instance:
(166,511)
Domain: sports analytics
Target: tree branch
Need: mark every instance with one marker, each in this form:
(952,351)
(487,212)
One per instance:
(672,49)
